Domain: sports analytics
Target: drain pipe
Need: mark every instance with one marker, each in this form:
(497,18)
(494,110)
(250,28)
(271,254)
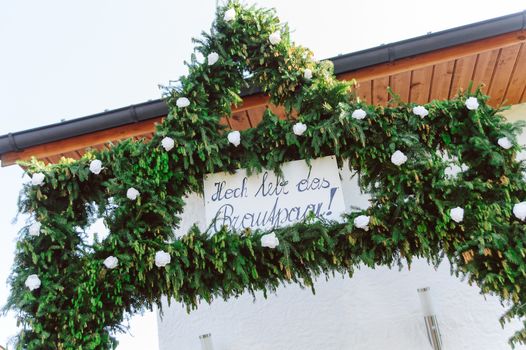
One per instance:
(206,342)
(433,331)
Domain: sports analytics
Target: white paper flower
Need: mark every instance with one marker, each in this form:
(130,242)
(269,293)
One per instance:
(212,58)
(234,137)
(95,166)
(162,258)
(34,229)
(182,102)
(505,143)
(132,193)
(420,111)
(358,114)
(519,210)
(299,128)
(453,170)
(111,262)
(230,15)
(411,197)
(168,143)
(362,222)
(472,103)
(32,282)
(199,58)
(307,74)
(269,240)
(457,214)
(275,37)
(37,179)
(398,158)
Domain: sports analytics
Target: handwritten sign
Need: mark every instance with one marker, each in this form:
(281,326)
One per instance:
(267,201)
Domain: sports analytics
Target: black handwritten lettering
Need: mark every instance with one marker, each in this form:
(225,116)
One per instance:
(270,207)
(221,193)
(269,188)
(294,217)
(313,184)
(219,188)
(223,217)
(277,216)
(302,185)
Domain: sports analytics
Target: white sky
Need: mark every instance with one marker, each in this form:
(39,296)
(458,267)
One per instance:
(67,59)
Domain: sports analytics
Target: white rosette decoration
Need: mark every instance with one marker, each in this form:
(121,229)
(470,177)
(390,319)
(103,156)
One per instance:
(162,258)
(132,193)
(95,166)
(457,214)
(269,240)
(358,114)
(362,222)
(505,143)
(182,102)
(307,74)
(454,166)
(34,229)
(168,143)
(234,137)
(299,128)
(111,262)
(37,179)
(472,103)
(212,58)
(32,282)
(275,37)
(420,111)
(199,58)
(519,210)
(230,15)
(453,170)
(398,158)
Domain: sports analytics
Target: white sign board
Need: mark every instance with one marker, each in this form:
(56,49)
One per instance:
(267,201)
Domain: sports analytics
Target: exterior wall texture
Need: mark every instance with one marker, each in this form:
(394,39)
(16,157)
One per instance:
(375,309)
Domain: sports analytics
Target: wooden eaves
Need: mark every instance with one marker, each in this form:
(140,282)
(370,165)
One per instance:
(421,69)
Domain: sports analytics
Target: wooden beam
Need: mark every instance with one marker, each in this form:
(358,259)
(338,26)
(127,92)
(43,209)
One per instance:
(435,57)
(251,102)
(51,152)
(502,75)
(462,74)
(442,80)
(517,82)
(418,70)
(52,149)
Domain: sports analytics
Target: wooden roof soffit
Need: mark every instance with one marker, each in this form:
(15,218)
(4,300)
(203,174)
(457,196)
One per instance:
(498,62)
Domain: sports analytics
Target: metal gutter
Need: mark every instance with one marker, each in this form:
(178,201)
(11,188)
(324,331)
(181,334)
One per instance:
(430,42)
(344,63)
(79,126)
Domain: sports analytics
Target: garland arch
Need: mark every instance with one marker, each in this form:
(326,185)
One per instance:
(443,179)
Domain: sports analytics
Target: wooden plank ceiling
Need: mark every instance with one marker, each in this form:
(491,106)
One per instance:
(499,63)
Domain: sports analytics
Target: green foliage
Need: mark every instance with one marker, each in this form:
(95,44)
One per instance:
(80,303)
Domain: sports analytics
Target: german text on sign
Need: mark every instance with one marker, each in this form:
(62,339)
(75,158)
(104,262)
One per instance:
(267,201)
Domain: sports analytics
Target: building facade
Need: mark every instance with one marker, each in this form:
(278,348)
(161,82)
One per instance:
(376,308)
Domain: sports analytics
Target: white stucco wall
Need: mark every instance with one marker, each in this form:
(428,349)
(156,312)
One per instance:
(376,309)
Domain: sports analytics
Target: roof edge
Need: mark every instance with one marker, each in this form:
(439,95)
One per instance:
(429,42)
(21,140)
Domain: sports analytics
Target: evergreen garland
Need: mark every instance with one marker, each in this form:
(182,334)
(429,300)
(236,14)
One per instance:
(404,154)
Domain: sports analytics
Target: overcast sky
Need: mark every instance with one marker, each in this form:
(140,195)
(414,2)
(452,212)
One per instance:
(67,59)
